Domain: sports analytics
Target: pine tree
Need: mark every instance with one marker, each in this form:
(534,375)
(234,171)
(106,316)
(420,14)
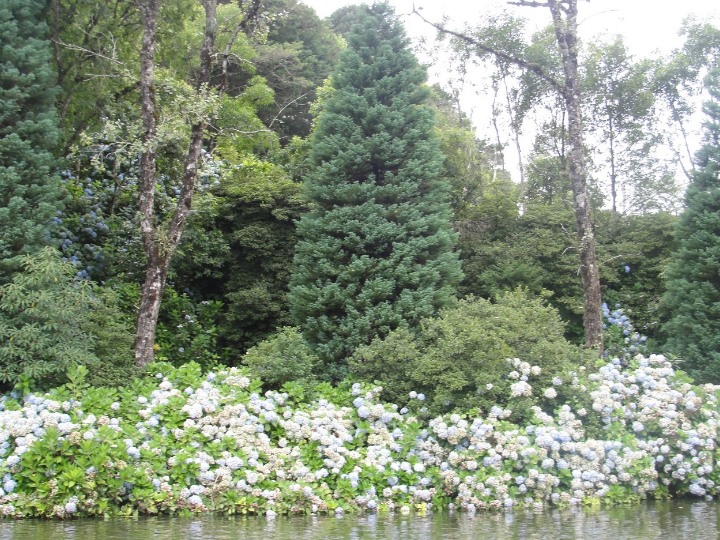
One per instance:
(376,253)
(692,300)
(29,191)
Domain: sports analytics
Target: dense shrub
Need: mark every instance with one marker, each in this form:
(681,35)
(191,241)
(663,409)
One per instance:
(283,357)
(187,330)
(460,359)
(43,317)
(50,321)
(180,442)
(113,330)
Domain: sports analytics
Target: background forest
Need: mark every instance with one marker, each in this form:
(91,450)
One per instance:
(243,183)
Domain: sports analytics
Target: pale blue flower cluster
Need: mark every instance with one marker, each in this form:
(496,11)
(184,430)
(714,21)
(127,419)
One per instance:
(657,434)
(633,341)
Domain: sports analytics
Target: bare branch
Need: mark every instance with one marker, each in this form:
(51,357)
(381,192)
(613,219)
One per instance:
(537,69)
(528,3)
(285,107)
(73,47)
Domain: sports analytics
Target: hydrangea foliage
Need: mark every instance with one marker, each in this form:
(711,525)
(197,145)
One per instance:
(184,442)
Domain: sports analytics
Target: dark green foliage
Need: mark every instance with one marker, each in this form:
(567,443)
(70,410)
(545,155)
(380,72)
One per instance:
(633,252)
(113,331)
(454,358)
(43,318)
(29,191)
(692,301)
(50,321)
(262,205)
(188,330)
(376,252)
(283,357)
(503,250)
(300,53)
(238,249)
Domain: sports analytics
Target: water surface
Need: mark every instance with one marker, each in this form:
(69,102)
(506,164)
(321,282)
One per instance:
(667,520)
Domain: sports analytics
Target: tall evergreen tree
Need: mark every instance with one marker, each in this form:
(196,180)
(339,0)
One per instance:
(376,253)
(692,301)
(29,191)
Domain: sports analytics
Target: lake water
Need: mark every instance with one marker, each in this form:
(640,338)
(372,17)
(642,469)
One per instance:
(666,520)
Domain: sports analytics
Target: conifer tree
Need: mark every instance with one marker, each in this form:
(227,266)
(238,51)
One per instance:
(29,190)
(376,253)
(692,300)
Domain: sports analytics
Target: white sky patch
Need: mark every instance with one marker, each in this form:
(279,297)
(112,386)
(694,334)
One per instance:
(647,25)
(650,28)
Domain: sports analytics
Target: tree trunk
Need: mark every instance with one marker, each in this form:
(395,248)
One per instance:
(613,170)
(564,16)
(155,276)
(153,286)
(566,35)
(159,252)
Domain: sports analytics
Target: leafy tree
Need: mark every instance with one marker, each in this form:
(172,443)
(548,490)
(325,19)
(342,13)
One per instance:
(299,54)
(470,163)
(505,250)
(692,301)
(376,252)
(30,192)
(677,82)
(622,115)
(43,319)
(238,249)
(502,249)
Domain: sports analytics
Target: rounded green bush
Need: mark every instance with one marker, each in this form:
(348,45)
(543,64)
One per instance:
(283,357)
(459,360)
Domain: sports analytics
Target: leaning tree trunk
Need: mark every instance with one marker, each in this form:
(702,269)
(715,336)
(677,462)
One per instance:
(159,252)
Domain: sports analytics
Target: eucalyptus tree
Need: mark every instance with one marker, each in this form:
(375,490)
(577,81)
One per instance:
(564,16)
(677,82)
(622,118)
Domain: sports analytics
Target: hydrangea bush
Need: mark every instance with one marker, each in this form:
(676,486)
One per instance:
(184,442)
(621,338)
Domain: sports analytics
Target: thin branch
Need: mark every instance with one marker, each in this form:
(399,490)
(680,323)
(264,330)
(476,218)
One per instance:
(285,107)
(73,47)
(530,66)
(528,3)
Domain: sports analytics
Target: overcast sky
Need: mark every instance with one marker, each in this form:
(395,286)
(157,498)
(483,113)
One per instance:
(649,27)
(646,24)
